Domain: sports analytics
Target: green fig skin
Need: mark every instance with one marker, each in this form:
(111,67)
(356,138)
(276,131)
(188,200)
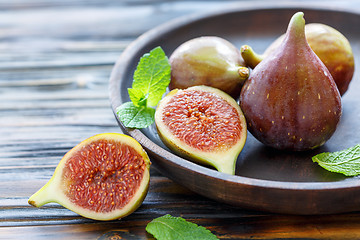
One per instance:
(290,100)
(335,52)
(331,46)
(210,61)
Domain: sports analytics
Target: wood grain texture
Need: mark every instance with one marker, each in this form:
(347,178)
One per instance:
(55,63)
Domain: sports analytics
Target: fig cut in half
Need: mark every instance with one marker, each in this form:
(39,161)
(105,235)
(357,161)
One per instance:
(203,124)
(104,177)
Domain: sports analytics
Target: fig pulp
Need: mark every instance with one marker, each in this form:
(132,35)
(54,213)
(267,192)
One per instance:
(203,124)
(210,61)
(104,177)
(332,47)
(290,100)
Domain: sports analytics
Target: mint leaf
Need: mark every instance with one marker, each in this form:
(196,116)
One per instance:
(135,117)
(172,228)
(137,97)
(346,161)
(151,78)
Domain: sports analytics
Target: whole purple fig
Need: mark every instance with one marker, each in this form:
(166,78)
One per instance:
(290,100)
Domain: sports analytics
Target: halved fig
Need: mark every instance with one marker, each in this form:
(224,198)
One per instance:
(203,124)
(104,177)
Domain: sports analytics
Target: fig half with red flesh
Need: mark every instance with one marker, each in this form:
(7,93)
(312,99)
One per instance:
(104,177)
(203,124)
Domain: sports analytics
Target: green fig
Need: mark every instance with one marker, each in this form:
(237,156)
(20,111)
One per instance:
(210,61)
(331,46)
(290,100)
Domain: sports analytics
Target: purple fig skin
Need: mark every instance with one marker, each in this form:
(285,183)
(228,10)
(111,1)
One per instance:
(290,100)
(332,47)
(210,61)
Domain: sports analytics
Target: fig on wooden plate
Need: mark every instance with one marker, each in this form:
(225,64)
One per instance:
(331,46)
(290,100)
(210,61)
(203,124)
(104,177)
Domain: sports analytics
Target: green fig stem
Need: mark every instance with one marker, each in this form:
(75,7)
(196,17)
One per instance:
(243,73)
(251,58)
(296,28)
(43,196)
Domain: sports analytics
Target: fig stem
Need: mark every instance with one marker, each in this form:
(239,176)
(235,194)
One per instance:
(296,28)
(41,197)
(243,73)
(251,58)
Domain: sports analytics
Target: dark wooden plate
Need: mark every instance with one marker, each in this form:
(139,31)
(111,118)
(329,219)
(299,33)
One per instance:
(266,179)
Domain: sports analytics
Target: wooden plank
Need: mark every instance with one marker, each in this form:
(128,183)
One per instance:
(248,227)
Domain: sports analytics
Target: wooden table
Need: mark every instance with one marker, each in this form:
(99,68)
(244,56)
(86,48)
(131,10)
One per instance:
(55,62)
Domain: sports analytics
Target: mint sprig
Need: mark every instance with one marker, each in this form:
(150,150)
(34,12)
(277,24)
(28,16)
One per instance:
(346,161)
(151,78)
(176,228)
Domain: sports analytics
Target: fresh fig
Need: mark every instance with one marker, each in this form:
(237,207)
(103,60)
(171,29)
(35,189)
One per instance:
(331,46)
(210,61)
(203,124)
(290,100)
(104,177)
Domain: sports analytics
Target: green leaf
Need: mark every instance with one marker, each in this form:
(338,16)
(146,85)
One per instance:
(152,76)
(346,161)
(176,228)
(135,117)
(137,97)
